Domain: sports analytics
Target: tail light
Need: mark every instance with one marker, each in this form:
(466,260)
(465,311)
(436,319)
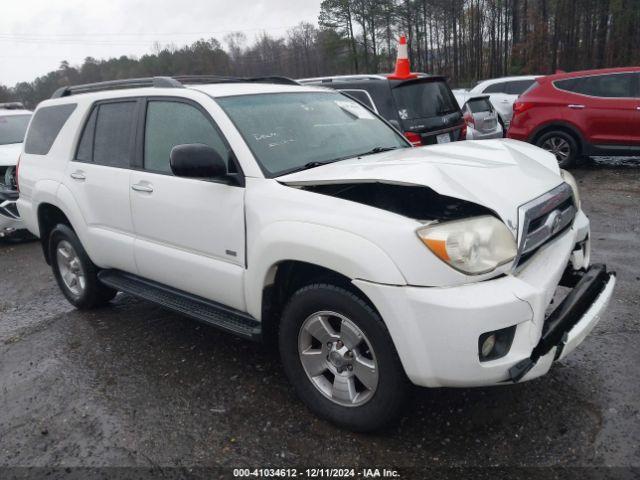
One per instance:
(468,119)
(17,172)
(463,132)
(414,138)
(520,107)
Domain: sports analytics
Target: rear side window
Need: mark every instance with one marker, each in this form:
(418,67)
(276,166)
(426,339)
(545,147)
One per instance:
(45,127)
(495,88)
(175,123)
(424,100)
(518,87)
(477,105)
(108,135)
(362,96)
(621,85)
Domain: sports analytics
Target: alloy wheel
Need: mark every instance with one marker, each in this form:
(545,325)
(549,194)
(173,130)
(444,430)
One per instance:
(559,147)
(338,358)
(70,267)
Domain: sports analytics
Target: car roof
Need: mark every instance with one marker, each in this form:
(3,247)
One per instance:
(583,73)
(11,112)
(492,81)
(233,89)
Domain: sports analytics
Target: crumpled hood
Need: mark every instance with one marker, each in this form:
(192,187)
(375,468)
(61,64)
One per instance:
(500,174)
(9,154)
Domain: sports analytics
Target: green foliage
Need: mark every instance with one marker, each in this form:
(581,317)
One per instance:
(466,40)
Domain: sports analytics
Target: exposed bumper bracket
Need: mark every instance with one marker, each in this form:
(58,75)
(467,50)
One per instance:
(588,286)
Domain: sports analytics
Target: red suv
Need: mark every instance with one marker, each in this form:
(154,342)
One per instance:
(595,112)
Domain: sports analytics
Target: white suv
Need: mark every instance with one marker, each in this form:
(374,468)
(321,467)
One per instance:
(268,208)
(14,120)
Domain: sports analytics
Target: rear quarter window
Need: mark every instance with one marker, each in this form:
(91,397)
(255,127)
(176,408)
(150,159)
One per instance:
(45,127)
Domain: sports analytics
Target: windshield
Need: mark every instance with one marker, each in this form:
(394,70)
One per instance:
(424,100)
(293,131)
(13,128)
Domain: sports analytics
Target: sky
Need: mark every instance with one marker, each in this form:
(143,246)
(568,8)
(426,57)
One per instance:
(36,35)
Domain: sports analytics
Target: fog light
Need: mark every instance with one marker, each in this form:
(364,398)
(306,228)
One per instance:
(496,344)
(487,345)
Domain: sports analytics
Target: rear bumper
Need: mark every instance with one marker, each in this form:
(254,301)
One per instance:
(473,134)
(436,331)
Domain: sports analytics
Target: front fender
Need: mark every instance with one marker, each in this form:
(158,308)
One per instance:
(343,252)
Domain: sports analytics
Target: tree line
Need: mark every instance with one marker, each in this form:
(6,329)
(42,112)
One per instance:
(466,40)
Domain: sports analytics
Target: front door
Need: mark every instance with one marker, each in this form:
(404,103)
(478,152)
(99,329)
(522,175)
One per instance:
(189,232)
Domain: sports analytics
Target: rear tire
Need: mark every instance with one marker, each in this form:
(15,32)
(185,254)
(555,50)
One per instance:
(562,145)
(340,358)
(75,273)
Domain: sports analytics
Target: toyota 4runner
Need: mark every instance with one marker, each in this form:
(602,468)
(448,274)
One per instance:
(270,209)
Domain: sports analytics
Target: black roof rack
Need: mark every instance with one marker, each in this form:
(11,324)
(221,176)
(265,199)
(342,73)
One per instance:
(178,81)
(12,106)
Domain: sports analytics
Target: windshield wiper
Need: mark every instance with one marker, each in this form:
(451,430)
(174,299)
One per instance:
(310,165)
(377,150)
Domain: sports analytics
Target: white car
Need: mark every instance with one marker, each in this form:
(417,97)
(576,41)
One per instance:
(479,115)
(503,93)
(293,211)
(14,120)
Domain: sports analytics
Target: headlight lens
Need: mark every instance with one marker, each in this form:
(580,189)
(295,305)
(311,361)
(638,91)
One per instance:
(473,246)
(571,181)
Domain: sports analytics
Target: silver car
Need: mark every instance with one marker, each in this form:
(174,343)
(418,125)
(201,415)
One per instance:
(480,116)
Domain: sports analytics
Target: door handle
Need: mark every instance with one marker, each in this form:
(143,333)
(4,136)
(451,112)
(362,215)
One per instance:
(577,107)
(78,176)
(637,108)
(141,187)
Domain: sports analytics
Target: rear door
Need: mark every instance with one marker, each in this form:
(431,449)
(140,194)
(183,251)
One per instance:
(604,107)
(98,178)
(190,233)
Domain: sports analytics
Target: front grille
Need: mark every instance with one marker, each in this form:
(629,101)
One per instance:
(543,219)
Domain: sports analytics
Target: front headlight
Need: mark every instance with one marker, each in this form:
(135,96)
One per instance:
(473,246)
(571,181)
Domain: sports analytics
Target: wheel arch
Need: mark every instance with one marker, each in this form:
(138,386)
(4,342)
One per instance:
(565,127)
(50,215)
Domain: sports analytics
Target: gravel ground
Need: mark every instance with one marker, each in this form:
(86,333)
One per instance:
(133,385)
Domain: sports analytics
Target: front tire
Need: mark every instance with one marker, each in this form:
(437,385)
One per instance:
(338,354)
(75,273)
(562,145)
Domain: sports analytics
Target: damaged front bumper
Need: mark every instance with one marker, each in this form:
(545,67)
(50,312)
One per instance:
(9,217)
(573,319)
(436,331)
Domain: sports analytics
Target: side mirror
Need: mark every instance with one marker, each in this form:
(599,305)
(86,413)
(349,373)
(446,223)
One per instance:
(196,160)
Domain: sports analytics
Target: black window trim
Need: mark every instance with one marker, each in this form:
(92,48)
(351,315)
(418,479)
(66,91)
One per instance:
(94,107)
(231,179)
(580,77)
(362,90)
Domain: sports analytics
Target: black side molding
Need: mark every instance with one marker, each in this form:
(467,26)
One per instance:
(569,312)
(212,313)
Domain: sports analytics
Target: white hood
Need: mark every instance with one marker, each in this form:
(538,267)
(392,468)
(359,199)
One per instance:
(498,174)
(9,154)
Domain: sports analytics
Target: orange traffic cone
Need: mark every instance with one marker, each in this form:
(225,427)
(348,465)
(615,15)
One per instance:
(403,68)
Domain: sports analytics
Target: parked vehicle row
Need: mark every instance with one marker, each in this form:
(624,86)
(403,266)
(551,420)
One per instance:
(273,209)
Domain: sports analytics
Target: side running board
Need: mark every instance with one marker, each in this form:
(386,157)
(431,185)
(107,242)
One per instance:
(212,313)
